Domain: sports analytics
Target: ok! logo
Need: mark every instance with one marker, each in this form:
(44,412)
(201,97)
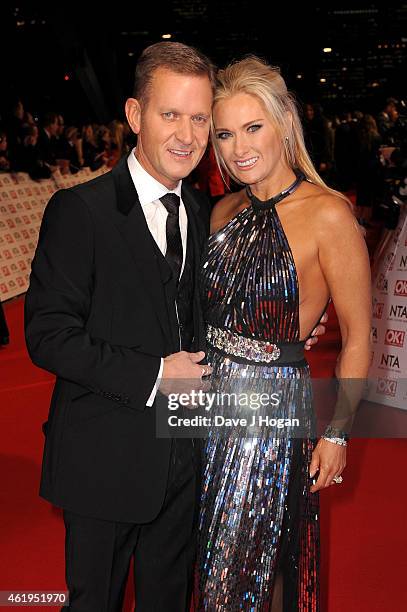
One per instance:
(394,337)
(400,288)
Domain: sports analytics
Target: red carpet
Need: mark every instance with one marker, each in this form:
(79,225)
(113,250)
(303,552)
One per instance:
(363,567)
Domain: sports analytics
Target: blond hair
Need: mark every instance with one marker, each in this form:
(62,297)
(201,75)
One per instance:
(253,76)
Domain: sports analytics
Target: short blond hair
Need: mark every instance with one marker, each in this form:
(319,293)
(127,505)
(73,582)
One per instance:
(174,56)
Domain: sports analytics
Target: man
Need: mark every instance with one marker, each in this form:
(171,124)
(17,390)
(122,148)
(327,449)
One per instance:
(102,310)
(47,140)
(113,306)
(387,119)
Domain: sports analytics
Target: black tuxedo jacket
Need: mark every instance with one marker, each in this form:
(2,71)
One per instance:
(95,315)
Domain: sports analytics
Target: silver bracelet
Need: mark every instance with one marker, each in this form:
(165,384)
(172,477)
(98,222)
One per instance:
(340,441)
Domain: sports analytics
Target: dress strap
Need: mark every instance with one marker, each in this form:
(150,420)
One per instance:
(262,205)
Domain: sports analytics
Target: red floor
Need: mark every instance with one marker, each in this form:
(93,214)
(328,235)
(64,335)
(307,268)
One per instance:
(363,567)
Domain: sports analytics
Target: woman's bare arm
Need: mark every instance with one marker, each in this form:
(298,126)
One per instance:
(345,264)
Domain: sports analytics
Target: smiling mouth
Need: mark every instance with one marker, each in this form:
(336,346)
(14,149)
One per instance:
(247,163)
(180,154)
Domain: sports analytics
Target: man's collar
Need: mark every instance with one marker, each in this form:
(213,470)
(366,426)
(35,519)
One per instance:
(147,187)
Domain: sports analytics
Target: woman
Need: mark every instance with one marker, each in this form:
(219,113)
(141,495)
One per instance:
(92,154)
(4,153)
(74,149)
(278,250)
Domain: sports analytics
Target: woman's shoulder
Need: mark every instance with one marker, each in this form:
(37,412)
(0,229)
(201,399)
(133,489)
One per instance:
(227,208)
(327,214)
(325,205)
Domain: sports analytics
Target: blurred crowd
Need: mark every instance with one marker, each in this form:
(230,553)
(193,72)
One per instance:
(353,151)
(40,148)
(359,152)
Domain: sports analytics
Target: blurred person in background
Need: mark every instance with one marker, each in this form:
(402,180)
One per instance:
(4,152)
(61,144)
(92,153)
(75,152)
(28,158)
(207,177)
(28,119)
(345,152)
(116,144)
(129,138)
(47,141)
(104,142)
(317,138)
(369,173)
(387,120)
(14,125)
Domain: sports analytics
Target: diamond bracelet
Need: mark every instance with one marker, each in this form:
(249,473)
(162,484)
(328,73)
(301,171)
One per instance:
(340,441)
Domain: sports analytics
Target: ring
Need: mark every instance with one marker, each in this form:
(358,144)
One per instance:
(204,372)
(337,479)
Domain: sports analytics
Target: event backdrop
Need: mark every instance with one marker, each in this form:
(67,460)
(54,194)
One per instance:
(22,203)
(388,371)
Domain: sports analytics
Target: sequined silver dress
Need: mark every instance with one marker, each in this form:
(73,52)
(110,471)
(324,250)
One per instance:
(257,516)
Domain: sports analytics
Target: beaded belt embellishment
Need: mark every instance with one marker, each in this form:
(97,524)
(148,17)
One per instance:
(240,346)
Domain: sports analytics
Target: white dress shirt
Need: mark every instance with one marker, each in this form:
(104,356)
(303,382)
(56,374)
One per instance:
(149,192)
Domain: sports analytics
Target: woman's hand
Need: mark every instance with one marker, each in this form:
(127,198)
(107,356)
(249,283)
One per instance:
(330,460)
(318,331)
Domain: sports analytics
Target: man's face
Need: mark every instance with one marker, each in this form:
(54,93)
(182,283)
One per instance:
(172,125)
(309,112)
(34,136)
(53,128)
(393,112)
(61,125)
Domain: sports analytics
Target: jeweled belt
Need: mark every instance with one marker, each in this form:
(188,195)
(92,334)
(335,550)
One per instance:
(243,349)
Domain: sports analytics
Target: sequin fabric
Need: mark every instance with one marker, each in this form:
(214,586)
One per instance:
(257,515)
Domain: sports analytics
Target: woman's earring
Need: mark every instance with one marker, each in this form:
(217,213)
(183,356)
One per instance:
(286,140)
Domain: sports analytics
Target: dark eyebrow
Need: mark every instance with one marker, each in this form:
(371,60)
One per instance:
(244,125)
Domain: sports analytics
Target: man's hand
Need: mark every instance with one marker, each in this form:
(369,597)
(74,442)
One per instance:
(185,365)
(330,460)
(318,331)
(182,373)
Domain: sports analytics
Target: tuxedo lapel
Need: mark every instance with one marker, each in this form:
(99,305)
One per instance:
(133,227)
(192,208)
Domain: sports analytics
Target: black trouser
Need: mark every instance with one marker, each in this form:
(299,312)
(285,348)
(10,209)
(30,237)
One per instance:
(98,553)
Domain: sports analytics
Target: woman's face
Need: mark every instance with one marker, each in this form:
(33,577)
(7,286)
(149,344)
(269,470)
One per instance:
(309,112)
(88,132)
(3,142)
(249,144)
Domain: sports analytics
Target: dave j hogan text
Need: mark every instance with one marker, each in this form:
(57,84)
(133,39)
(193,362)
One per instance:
(256,420)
